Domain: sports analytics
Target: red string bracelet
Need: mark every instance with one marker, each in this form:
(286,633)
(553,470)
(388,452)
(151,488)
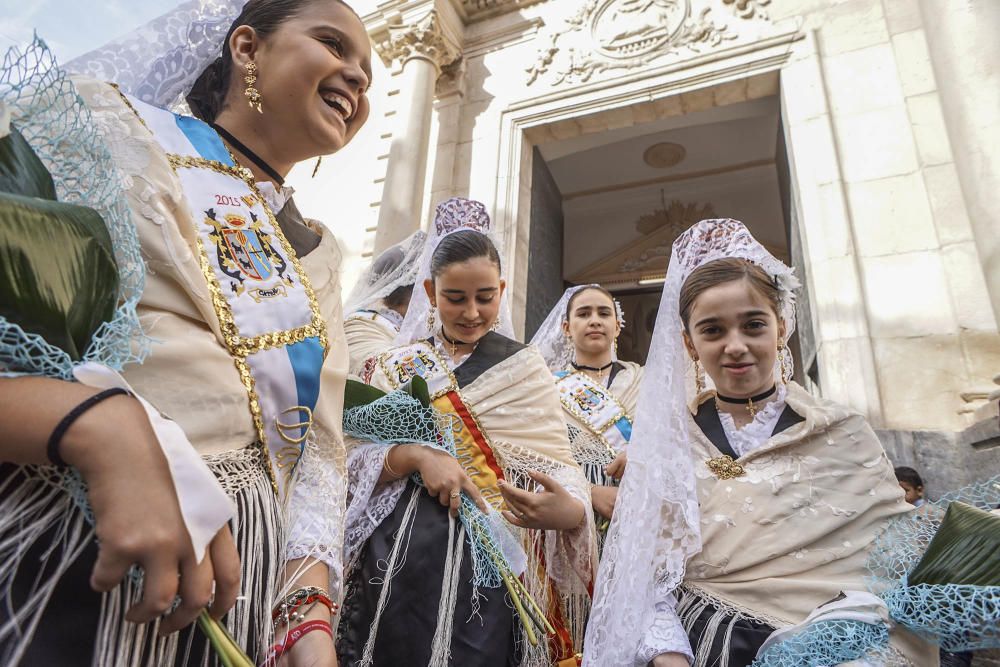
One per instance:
(293,636)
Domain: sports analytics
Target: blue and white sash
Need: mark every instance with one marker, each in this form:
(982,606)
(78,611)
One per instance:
(403,363)
(267,311)
(596,408)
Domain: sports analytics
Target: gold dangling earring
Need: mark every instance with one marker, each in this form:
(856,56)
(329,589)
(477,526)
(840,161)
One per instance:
(786,366)
(496,324)
(432,319)
(319,160)
(699,378)
(251,93)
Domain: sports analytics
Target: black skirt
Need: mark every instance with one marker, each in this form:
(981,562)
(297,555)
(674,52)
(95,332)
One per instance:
(409,619)
(747,636)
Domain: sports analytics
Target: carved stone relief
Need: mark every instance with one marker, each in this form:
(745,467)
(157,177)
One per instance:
(609,35)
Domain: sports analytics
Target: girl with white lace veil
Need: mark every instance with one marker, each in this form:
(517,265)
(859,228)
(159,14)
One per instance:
(417,592)
(745,507)
(377,305)
(246,364)
(598,391)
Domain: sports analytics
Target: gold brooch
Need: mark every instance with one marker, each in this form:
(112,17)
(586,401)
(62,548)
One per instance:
(724,467)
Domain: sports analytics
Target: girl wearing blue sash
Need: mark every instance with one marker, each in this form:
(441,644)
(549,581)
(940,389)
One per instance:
(215,464)
(597,390)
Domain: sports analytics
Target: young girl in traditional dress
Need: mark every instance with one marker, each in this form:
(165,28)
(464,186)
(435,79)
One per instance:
(598,391)
(242,304)
(745,510)
(415,596)
(377,305)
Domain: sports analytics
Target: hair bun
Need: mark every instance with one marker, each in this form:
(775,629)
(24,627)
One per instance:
(208,91)
(458,213)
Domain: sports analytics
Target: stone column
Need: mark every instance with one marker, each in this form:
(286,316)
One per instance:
(422,48)
(965,54)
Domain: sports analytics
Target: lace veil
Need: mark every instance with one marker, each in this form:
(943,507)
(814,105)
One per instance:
(555,346)
(394,268)
(655,529)
(452,215)
(160,61)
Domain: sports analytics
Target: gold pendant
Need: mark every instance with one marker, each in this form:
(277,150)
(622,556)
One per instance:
(724,467)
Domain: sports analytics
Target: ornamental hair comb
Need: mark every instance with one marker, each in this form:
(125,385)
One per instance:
(458,213)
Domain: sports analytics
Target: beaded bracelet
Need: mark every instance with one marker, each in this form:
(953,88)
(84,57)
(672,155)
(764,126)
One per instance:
(52,449)
(291,608)
(292,637)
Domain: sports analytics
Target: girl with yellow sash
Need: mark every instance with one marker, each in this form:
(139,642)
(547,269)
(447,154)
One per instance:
(246,363)
(597,390)
(415,596)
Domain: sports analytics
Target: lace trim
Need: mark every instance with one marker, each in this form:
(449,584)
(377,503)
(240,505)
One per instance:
(754,435)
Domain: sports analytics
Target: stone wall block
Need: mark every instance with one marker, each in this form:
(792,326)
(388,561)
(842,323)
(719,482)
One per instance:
(947,204)
(920,381)
(852,25)
(875,144)
(907,296)
(967,287)
(902,15)
(862,80)
(929,130)
(891,215)
(914,62)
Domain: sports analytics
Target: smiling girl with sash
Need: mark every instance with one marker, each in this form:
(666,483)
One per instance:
(247,360)
(597,390)
(511,455)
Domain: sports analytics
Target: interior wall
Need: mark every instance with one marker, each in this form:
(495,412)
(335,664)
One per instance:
(545,249)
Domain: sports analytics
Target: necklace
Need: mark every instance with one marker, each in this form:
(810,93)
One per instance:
(593,369)
(453,343)
(253,157)
(749,402)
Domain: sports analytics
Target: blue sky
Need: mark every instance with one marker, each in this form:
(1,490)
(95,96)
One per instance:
(73,27)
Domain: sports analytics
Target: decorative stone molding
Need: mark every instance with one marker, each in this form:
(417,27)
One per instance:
(610,35)
(676,215)
(426,38)
(451,81)
(478,10)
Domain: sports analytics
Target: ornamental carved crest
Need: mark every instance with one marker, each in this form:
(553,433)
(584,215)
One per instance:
(608,35)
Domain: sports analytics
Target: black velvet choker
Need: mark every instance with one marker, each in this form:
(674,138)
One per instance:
(581,367)
(749,403)
(453,343)
(253,157)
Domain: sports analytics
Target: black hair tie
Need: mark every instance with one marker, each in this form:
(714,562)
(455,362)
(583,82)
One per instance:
(52,449)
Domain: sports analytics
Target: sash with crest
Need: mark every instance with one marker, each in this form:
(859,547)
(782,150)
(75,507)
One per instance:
(268,314)
(596,408)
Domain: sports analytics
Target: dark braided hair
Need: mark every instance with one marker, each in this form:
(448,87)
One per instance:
(208,94)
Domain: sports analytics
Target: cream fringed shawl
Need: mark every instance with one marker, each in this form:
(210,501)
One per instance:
(368,334)
(794,531)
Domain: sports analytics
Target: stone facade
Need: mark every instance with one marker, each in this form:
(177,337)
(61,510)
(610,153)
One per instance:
(886,115)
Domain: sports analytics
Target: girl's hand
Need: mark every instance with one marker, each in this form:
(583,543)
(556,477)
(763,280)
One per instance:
(442,474)
(616,468)
(603,499)
(138,519)
(553,508)
(670,660)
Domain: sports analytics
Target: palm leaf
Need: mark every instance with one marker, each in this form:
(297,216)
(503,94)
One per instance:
(965,550)
(21,172)
(58,276)
(417,388)
(357,394)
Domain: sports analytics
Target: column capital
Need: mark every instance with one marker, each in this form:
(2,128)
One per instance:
(435,36)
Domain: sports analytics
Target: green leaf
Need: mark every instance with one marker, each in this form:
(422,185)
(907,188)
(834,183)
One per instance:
(357,394)
(965,550)
(58,276)
(417,388)
(21,172)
